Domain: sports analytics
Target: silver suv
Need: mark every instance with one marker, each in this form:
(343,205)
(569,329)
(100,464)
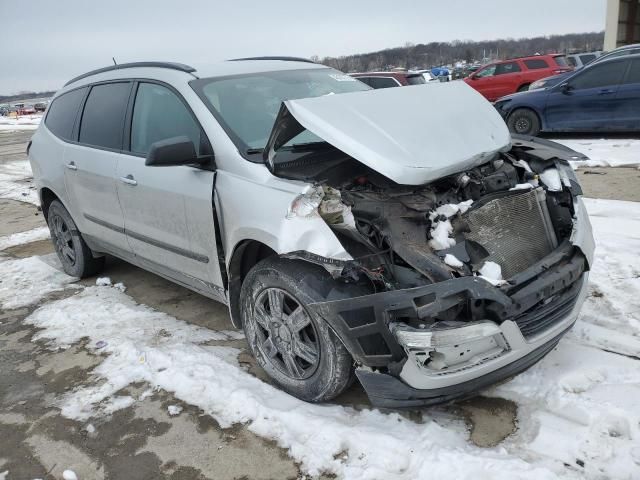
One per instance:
(348,230)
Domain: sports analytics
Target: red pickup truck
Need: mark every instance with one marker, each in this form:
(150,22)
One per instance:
(509,76)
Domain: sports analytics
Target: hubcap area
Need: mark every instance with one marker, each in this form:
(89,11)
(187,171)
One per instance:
(522,125)
(63,240)
(286,335)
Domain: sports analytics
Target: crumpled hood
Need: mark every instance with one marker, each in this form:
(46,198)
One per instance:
(412,135)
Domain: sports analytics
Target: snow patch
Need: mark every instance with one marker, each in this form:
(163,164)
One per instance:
(69,475)
(28,280)
(492,273)
(174,410)
(8,241)
(605,152)
(441,227)
(453,261)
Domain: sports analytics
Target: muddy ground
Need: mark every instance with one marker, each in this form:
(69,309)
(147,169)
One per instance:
(143,441)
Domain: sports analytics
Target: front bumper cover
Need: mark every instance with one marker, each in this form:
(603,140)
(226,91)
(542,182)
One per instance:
(538,306)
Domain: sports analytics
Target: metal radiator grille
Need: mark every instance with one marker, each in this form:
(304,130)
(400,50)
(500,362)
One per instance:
(515,230)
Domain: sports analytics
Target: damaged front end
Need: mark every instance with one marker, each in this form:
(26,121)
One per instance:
(473,276)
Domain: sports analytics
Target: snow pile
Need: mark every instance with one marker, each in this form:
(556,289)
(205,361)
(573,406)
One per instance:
(605,152)
(25,122)
(441,228)
(28,280)
(69,475)
(492,273)
(8,241)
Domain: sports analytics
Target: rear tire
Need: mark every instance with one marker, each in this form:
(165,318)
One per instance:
(73,252)
(524,122)
(298,350)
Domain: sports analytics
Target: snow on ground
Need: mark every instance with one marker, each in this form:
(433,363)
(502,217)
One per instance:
(605,152)
(40,233)
(16,182)
(579,408)
(25,122)
(26,281)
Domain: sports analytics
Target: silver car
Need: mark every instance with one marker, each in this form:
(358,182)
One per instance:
(350,232)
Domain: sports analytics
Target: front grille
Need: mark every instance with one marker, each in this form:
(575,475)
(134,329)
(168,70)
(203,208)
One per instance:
(544,317)
(516,230)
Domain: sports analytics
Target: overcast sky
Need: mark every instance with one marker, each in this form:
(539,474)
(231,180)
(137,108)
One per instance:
(46,42)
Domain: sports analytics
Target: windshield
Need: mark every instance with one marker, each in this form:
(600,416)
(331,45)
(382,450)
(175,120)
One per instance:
(247,105)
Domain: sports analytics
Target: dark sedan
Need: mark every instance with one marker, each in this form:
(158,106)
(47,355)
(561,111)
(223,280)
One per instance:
(603,96)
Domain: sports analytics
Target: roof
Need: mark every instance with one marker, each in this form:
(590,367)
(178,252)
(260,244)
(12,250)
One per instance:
(237,66)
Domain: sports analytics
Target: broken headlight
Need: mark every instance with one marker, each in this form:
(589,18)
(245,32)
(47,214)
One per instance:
(446,347)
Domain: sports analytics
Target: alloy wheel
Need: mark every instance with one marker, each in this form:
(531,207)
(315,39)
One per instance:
(286,334)
(63,240)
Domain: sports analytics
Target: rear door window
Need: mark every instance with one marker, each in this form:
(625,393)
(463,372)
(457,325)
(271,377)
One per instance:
(587,58)
(102,121)
(536,64)
(633,75)
(507,67)
(62,113)
(416,80)
(600,75)
(383,82)
(159,114)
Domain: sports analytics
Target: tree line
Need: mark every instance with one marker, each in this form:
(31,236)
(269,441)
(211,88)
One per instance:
(448,53)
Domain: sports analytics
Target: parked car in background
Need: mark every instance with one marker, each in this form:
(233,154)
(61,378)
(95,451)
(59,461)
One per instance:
(325,222)
(26,110)
(428,76)
(603,96)
(40,107)
(390,79)
(4,110)
(509,76)
(556,79)
(579,60)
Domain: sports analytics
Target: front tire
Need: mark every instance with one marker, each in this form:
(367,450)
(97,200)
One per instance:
(524,122)
(298,350)
(75,255)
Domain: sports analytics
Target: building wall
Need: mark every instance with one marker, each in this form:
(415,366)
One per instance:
(622,23)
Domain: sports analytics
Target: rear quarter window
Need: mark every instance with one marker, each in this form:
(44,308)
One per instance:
(536,64)
(62,113)
(102,121)
(561,60)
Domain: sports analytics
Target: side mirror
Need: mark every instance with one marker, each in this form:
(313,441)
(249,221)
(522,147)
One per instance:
(566,88)
(173,152)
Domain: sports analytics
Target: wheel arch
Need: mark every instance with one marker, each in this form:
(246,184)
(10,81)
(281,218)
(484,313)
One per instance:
(245,255)
(47,196)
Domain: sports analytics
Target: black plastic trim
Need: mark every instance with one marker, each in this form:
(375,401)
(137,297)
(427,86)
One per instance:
(151,241)
(170,65)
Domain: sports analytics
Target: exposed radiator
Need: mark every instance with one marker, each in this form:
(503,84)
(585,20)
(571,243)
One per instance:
(516,230)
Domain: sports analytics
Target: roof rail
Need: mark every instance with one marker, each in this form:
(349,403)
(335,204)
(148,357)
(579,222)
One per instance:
(284,59)
(173,66)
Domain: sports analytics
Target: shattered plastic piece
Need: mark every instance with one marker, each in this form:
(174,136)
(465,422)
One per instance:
(120,286)
(453,261)
(334,212)
(69,475)
(174,410)
(103,281)
(101,344)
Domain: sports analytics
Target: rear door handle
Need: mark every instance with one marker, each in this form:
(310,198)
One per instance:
(129,180)
(72,166)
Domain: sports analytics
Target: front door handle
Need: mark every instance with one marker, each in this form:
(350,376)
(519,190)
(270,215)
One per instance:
(605,91)
(72,166)
(129,180)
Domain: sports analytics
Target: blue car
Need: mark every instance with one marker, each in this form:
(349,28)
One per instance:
(603,96)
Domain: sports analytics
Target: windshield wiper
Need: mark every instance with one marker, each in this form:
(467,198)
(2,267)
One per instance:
(306,146)
(252,151)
